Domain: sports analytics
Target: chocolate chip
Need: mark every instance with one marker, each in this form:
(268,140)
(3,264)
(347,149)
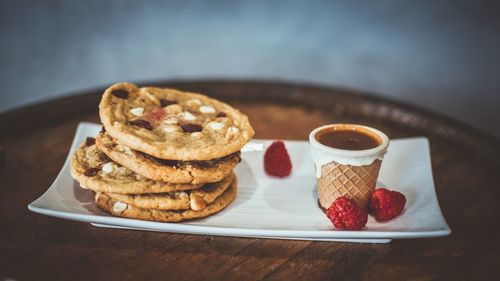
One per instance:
(104,158)
(190,128)
(165,102)
(89,141)
(141,123)
(221,114)
(103,130)
(158,160)
(121,94)
(110,145)
(91,172)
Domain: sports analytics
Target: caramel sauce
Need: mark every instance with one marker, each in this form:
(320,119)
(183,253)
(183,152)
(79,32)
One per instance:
(348,139)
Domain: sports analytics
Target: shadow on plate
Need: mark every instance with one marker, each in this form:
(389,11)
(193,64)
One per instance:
(86,198)
(246,184)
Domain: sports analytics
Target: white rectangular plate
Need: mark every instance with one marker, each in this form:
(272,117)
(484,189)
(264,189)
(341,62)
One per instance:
(353,240)
(270,207)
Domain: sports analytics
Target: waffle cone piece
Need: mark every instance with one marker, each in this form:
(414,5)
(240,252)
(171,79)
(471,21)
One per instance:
(354,182)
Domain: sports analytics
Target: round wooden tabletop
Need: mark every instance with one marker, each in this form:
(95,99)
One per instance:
(35,141)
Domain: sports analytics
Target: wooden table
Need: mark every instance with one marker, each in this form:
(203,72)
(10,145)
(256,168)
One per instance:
(36,140)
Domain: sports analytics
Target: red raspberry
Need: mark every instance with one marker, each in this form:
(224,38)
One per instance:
(346,214)
(386,204)
(277,161)
(156,114)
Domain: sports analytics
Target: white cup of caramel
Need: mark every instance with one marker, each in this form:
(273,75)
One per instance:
(347,158)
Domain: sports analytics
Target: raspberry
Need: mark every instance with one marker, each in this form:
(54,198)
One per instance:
(386,204)
(277,161)
(346,214)
(156,114)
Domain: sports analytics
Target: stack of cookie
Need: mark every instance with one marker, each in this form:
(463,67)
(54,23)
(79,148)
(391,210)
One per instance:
(163,154)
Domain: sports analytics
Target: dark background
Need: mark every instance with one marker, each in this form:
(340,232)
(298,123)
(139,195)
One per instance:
(441,55)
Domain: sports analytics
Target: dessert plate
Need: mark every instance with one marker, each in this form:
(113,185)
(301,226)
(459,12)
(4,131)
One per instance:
(352,240)
(269,207)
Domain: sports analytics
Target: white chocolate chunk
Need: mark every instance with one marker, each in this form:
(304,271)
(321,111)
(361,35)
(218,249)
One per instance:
(172,129)
(193,102)
(231,133)
(119,207)
(197,203)
(173,109)
(196,135)
(138,111)
(233,130)
(207,109)
(188,116)
(107,168)
(216,125)
(171,121)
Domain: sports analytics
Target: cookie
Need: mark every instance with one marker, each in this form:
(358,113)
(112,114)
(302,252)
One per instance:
(197,199)
(117,208)
(173,125)
(95,171)
(172,171)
